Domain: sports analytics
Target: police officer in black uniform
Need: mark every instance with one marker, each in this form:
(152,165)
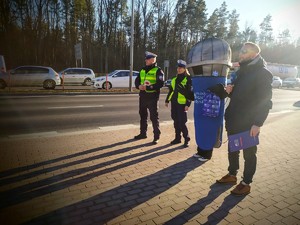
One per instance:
(179,103)
(149,82)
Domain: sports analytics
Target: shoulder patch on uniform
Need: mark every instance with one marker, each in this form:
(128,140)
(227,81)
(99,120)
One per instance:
(161,77)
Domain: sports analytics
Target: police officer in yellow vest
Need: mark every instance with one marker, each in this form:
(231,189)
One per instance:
(149,82)
(179,103)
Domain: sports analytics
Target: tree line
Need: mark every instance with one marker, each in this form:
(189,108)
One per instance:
(44,32)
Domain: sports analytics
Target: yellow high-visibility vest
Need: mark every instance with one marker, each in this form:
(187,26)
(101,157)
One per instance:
(150,77)
(180,99)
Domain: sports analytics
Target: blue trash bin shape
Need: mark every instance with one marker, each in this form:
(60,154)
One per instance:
(209,62)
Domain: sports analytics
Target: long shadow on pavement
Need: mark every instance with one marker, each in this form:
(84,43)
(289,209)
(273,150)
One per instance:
(108,205)
(229,202)
(215,191)
(35,173)
(52,161)
(64,180)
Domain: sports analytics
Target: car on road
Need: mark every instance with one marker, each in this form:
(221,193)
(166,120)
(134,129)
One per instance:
(24,76)
(276,82)
(77,75)
(115,79)
(291,82)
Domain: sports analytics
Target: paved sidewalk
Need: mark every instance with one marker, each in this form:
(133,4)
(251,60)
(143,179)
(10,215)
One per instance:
(106,177)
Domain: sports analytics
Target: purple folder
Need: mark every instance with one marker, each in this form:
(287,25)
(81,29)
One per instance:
(241,141)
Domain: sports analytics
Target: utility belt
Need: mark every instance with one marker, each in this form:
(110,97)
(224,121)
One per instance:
(149,95)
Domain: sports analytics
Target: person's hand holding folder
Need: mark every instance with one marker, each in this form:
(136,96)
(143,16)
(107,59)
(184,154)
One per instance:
(254,131)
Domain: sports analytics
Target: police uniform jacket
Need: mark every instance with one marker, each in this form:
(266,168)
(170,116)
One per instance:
(174,92)
(154,89)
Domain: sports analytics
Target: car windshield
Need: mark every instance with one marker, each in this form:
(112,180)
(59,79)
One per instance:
(122,73)
(112,73)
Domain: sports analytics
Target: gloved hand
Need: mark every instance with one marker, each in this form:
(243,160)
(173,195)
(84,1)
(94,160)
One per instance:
(218,90)
(187,93)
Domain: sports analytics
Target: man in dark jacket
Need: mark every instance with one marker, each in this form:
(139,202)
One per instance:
(250,101)
(149,82)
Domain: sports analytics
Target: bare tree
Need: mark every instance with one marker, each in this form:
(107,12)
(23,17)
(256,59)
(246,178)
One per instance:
(232,35)
(44,32)
(266,34)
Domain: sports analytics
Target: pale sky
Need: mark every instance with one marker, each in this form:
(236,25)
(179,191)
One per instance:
(285,13)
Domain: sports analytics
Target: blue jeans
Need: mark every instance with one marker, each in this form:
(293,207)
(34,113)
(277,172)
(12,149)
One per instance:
(250,162)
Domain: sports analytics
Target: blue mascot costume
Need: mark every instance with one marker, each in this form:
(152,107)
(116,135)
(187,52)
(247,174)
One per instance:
(209,62)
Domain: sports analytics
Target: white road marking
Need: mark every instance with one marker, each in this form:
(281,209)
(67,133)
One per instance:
(105,129)
(75,107)
(100,129)
(118,127)
(282,112)
(33,135)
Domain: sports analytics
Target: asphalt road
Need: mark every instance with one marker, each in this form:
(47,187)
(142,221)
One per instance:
(63,113)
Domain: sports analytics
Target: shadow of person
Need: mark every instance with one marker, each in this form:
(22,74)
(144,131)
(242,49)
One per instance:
(229,202)
(11,172)
(113,203)
(78,175)
(215,191)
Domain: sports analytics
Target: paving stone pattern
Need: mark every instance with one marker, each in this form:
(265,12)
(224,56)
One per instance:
(106,177)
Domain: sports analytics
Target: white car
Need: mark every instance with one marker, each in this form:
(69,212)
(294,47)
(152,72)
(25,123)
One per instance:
(276,82)
(32,76)
(291,82)
(77,75)
(115,79)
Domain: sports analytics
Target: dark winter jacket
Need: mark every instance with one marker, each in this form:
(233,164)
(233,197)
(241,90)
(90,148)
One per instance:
(250,100)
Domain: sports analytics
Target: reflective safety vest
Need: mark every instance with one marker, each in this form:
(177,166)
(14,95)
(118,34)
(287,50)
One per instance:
(180,99)
(149,77)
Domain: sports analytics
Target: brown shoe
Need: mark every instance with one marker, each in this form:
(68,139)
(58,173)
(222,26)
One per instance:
(241,189)
(227,179)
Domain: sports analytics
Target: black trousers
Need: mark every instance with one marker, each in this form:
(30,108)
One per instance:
(150,104)
(179,117)
(250,162)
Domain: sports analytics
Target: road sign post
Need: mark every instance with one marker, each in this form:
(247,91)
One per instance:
(166,66)
(78,53)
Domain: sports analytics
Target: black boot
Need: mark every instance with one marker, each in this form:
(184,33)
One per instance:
(186,142)
(140,136)
(175,141)
(155,140)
